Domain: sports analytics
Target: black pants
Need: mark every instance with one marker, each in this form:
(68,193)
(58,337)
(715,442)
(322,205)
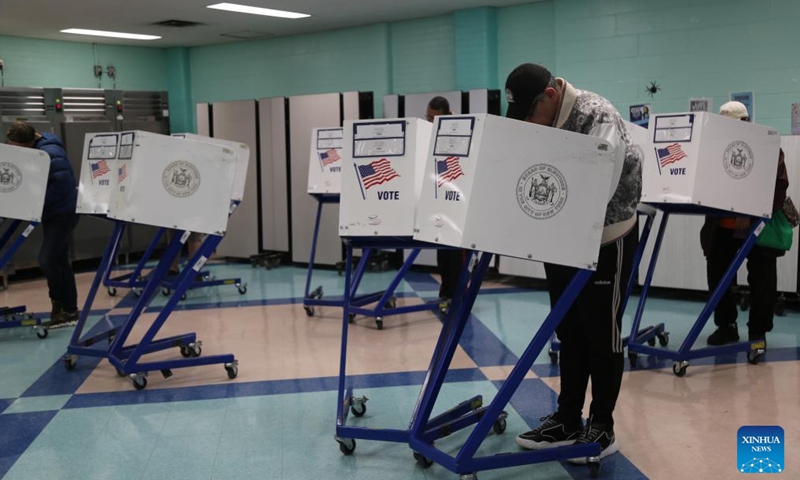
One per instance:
(762,276)
(450,263)
(591,332)
(55,262)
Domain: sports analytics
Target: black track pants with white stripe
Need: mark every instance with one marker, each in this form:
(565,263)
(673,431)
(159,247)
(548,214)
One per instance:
(591,333)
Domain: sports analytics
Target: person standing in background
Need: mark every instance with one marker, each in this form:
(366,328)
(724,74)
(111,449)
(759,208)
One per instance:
(58,222)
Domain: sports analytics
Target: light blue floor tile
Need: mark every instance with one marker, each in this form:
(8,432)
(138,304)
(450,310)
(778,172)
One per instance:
(118,458)
(136,423)
(188,420)
(60,434)
(38,404)
(188,456)
(264,463)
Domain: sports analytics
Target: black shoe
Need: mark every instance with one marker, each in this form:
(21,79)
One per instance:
(724,335)
(597,433)
(63,319)
(759,341)
(56,310)
(551,433)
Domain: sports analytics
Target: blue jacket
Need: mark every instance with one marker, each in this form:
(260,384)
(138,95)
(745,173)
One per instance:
(62,190)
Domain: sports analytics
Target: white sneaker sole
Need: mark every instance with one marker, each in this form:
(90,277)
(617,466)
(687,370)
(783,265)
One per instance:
(610,450)
(531,445)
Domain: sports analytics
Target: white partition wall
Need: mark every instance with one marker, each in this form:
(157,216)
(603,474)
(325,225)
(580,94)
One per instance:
(274,174)
(236,122)
(305,113)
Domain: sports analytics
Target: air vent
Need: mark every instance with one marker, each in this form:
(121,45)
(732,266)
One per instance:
(177,24)
(247,35)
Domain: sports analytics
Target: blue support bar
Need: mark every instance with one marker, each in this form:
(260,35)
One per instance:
(14,317)
(685,351)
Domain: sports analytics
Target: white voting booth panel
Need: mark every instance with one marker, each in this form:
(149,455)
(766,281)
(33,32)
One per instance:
(241,152)
(526,268)
(23,182)
(325,161)
(502,186)
(99,171)
(173,183)
(713,161)
(382,180)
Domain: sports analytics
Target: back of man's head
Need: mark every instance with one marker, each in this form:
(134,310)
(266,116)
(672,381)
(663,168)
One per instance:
(21,133)
(440,104)
(735,110)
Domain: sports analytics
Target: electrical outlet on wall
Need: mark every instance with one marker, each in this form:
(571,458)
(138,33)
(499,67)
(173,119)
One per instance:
(98,71)
(111,71)
(1,64)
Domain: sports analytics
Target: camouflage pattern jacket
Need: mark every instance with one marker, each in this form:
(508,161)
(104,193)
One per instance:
(590,114)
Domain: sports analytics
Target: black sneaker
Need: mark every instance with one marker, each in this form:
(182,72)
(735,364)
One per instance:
(597,433)
(724,335)
(759,342)
(551,433)
(63,319)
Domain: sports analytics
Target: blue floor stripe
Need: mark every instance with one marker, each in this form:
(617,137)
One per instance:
(57,381)
(5,403)
(647,362)
(534,399)
(17,432)
(484,347)
(275,387)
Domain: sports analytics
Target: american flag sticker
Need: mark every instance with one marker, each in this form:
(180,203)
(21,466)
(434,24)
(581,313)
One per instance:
(669,155)
(447,170)
(329,157)
(374,174)
(99,169)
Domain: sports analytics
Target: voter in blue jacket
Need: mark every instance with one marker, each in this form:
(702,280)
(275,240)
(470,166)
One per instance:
(58,222)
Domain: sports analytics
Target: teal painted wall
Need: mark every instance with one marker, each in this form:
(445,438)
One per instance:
(44,63)
(692,48)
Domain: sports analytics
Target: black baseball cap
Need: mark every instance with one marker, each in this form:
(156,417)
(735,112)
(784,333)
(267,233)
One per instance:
(523,85)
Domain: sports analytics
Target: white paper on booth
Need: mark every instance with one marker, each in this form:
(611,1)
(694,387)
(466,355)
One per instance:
(98,171)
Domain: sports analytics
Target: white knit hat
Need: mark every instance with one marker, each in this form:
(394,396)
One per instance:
(734,110)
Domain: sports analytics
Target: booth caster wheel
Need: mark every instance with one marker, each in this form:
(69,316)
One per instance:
(193,350)
(232,369)
(347,445)
(358,406)
(594,467)
(70,361)
(119,373)
(166,292)
(242,289)
(553,357)
(500,424)
(652,342)
(351,318)
(112,291)
(137,292)
(391,303)
(632,358)
(663,338)
(309,311)
(42,332)
(422,460)
(139,380)
(679,368)
(379,323)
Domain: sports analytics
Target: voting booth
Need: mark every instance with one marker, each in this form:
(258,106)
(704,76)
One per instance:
(23,182)
(181,185)
(383,177)
(23,185)
(711,161)
(325,161)
(171,183)
(520,188)
(706,164)
(497,186)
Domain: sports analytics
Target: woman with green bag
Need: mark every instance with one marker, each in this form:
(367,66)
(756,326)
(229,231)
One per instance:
(721,239)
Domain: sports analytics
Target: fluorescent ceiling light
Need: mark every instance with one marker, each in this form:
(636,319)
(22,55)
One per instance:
(232,7)
(101,33)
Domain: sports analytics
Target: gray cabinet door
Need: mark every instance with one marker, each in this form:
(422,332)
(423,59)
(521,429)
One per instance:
(274,175)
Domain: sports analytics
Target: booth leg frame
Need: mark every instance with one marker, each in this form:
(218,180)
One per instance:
(685,353)
(16,317)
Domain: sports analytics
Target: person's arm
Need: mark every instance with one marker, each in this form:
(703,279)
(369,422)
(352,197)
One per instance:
(609,133)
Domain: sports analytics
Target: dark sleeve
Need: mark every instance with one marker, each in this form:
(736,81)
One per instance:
(781,184)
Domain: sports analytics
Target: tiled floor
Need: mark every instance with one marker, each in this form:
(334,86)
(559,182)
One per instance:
(276,420)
